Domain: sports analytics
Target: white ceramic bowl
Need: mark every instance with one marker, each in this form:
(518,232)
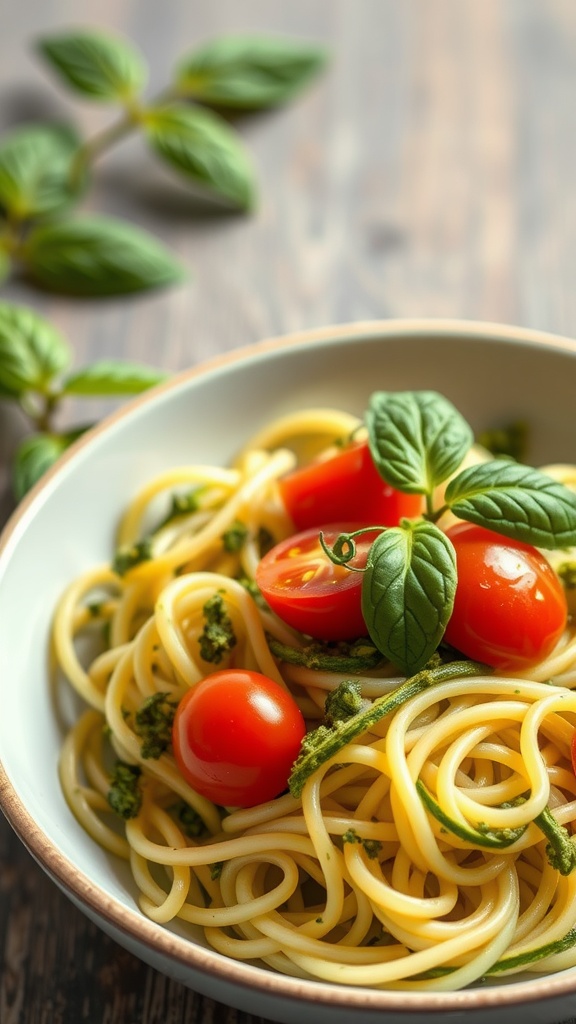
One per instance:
(494,374)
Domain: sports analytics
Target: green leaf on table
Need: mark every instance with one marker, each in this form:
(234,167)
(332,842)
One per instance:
(516,501)
(35,170)
(35,455)
(101,66)
(97,256)
(201,146)
(112,377)
(408,592)
(417,438)
(248,72)
(32,352)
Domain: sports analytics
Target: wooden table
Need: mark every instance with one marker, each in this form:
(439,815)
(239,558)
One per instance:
(428,172)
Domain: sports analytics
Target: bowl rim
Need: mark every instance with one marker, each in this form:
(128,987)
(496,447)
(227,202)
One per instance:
(133,924)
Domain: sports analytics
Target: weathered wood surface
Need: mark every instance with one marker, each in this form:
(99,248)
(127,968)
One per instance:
(429,172)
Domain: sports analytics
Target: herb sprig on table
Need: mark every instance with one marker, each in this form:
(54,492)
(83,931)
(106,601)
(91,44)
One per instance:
(45,169)
(36,373)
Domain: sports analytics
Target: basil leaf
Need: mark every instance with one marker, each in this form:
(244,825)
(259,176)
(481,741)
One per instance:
(35,170)
(202,147)
(32,352)
(516,501)
(112,377)
(248,72)
(98,65)
(35,455)
(417,438)
(408,592)
(97,256)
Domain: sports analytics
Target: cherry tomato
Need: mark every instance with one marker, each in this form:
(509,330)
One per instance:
(236,735)
(346,486)
(305,589)
(510,608)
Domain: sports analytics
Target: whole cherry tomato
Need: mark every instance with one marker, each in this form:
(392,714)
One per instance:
(345,487)
(510,608)
(308,591)
(236,735)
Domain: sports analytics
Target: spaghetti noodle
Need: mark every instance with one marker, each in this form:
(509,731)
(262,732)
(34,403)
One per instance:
(414,857)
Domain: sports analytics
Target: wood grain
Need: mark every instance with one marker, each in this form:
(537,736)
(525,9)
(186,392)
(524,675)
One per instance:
(429,172)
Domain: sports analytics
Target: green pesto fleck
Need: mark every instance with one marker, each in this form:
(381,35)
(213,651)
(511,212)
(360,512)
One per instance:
(128,557)
(153,724)
(234,538)
(124,795)
(217,638)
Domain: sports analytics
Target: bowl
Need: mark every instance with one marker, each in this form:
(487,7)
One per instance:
(493,373)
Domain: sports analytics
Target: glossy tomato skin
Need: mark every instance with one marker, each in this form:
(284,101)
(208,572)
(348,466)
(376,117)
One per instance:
(309,592)
(236,735)
(345,487)
(510,608)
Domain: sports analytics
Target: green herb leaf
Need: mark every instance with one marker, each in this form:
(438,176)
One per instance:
(417,438)
(112,377)
(408,592)
(35,170)
(32,352)
(35,455)
(516,501)
(95,64)
(97,256)
(248,72)
(201,146)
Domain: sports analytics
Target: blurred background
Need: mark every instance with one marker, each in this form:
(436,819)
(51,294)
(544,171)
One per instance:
(427,171)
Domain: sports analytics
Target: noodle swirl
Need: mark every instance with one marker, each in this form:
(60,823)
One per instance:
(359,881)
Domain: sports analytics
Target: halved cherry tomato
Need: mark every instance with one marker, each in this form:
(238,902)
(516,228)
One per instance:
(236,735)
(305,589)
(510,608)
(346,486)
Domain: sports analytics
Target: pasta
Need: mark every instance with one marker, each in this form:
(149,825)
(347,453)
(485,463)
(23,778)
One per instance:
(415,856)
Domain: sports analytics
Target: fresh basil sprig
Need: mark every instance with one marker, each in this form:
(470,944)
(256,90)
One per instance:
(46,168)
(418,439)
(408,592)
(35,372)
(516,501)
(40,180)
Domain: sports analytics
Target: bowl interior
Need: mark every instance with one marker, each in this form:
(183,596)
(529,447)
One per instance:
(494,375)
